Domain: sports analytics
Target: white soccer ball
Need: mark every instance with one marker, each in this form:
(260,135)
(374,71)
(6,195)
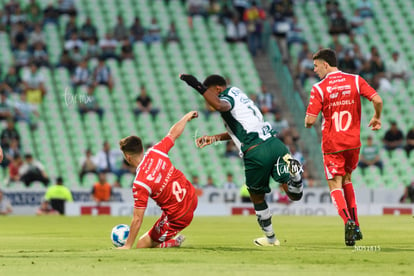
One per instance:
(119,234)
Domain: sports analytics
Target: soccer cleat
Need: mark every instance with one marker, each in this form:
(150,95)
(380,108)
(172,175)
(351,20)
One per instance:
(180,239)
(358,233)
(263,241)
(350,232)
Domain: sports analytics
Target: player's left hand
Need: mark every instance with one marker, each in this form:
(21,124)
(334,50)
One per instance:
(191,115)
(375,123)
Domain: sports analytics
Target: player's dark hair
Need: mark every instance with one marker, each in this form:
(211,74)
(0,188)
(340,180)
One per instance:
(213,80)
(131,145)
(327,55)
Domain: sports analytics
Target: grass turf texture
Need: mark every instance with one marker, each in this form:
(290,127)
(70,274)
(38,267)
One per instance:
(214,246)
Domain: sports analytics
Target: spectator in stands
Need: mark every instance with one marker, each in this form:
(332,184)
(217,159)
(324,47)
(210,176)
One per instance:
(12,83)
(236,30)
(120,30)
(66,61)
(73,42)
(40,56)
(172,35)
(370,156)
(195,181)
(357,23)
(338,24)
(365,8)
(366,72)
(37,36)
(210,183)
(32,170)
(347,63)
(18,17)
(19,35)
(14,168)
(229,184)
(137,31)
(71,27)
(331,8)
(408,196)
(57,195)
(88,165)
(265,101)
(76,55)
(10,153)
(281,27)
(296,154)
(280,125)
(393,138)
(82,75)
(90,104)
(231,149)
(92,49)
(25,111)
(8,134)
(102,75)
(380,82)
(50,14)
(227,13)
(126,50)
(153,32)
(46,209)
(108,46)
(6,107)
(102,190)
(33,83)
(5,205)
(67,7)
(34,14)
(397,68)
(254,17)
(295,33)
(197,7)
(144,104)
(22,56)
(107,159)
(88,30)
(409,145)
(306,69)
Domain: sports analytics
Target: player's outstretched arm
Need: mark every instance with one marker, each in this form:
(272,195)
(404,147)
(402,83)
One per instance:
(178,128)
(375,122)
(206,140)
(134,228)
(207,92)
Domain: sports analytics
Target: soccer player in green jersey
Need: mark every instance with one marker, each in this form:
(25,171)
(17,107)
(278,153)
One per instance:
(264,155)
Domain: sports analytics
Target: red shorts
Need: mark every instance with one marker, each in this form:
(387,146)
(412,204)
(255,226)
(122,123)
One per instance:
(340,163)
(165,229)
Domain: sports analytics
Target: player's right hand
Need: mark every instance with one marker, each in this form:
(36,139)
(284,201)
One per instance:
(375,123)
(204,140)
(193,82)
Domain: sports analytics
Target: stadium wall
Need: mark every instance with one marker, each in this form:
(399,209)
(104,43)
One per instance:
(215,202)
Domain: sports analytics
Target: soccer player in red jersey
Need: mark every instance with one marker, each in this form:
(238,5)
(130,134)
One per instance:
(157,178)
(337,96)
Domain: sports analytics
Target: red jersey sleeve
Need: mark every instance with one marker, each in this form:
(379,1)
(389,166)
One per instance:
(365,89)
(165,144)
(315,102)
(141,192)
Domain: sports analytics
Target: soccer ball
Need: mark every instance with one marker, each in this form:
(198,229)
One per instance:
(119,234)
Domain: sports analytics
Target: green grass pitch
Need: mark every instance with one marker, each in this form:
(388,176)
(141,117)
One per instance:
(214,246)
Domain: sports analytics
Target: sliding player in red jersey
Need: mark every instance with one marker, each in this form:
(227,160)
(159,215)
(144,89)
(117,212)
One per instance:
(157,178)
(337,96)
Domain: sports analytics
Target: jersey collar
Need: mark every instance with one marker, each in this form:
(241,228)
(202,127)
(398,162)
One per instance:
(331,73)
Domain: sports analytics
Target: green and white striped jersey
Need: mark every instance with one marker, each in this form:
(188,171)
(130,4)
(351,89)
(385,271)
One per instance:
(244,121)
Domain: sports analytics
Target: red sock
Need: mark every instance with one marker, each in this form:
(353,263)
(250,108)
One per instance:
(169,243)
(340,204)
(350,201)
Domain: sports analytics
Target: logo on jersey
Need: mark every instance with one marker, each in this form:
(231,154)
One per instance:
(329,89)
